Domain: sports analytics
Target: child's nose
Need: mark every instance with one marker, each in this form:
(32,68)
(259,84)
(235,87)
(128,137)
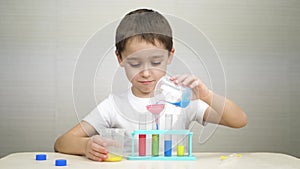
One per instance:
(145,73)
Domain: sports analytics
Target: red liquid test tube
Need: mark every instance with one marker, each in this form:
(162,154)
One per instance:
(142,144)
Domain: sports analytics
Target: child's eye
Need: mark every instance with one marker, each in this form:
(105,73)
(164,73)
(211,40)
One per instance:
(155,63)
(134,64)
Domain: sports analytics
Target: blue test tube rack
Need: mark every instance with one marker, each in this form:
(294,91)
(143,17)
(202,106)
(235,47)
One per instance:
(189,156)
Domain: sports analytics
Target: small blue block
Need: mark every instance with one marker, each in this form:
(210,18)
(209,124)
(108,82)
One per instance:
(40,157)
(60,162)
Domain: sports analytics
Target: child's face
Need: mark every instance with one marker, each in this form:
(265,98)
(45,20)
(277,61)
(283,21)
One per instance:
(144,65)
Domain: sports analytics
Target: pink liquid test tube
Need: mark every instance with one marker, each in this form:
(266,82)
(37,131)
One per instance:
(142,137)
(142,144)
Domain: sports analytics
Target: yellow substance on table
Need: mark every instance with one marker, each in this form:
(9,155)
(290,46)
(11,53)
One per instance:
(113,158)
(231,156)
(223,157)
(180,150)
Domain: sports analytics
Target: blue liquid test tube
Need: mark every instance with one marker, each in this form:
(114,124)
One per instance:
(168,138)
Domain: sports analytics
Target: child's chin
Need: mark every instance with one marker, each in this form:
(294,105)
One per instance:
(148,92)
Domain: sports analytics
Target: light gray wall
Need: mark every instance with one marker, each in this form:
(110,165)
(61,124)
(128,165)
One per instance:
(258,43)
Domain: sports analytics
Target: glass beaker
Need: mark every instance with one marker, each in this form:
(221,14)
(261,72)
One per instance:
(167,91)
(114,138)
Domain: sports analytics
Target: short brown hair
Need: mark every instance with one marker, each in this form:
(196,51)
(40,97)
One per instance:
(146,24)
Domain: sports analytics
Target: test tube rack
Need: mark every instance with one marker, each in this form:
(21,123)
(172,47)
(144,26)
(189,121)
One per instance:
(189,156)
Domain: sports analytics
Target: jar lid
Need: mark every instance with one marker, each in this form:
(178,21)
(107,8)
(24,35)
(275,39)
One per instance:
(60,162)
(40,157)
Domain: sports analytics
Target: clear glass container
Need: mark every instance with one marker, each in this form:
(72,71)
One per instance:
(168,92)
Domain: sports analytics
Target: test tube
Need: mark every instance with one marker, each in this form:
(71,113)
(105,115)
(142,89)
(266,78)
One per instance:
(180,150)
(180,139)
(168,137)
(155,144)
(155,137)
(142,137)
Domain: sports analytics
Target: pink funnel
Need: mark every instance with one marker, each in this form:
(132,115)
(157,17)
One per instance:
(155,108)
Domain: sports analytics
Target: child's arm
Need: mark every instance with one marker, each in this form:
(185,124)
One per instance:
(77,141)
(221,111)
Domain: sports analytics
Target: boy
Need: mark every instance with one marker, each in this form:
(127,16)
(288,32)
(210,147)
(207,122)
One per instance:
(144,48)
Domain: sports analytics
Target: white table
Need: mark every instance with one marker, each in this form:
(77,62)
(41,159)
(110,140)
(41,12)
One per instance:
(204,161)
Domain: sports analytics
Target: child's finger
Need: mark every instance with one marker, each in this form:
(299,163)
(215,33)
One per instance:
(178,79)
(96,156)
(173,78)
(99,140)
(189,80)
(99,155)
(98,148)
(194,84)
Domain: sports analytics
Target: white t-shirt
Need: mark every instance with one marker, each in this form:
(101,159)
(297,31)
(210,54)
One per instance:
(125,111)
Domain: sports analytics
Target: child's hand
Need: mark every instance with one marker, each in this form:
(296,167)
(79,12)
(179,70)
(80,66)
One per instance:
(200,90)
(96,148)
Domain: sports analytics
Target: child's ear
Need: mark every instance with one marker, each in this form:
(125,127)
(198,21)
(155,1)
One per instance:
(119,58)
(171,56)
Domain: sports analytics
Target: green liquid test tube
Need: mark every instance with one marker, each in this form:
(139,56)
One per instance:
(155,144)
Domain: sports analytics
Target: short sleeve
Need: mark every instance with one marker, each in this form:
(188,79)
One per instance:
(196,111)
(99,116)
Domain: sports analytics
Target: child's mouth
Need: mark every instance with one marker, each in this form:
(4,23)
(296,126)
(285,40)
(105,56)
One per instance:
(146,82)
